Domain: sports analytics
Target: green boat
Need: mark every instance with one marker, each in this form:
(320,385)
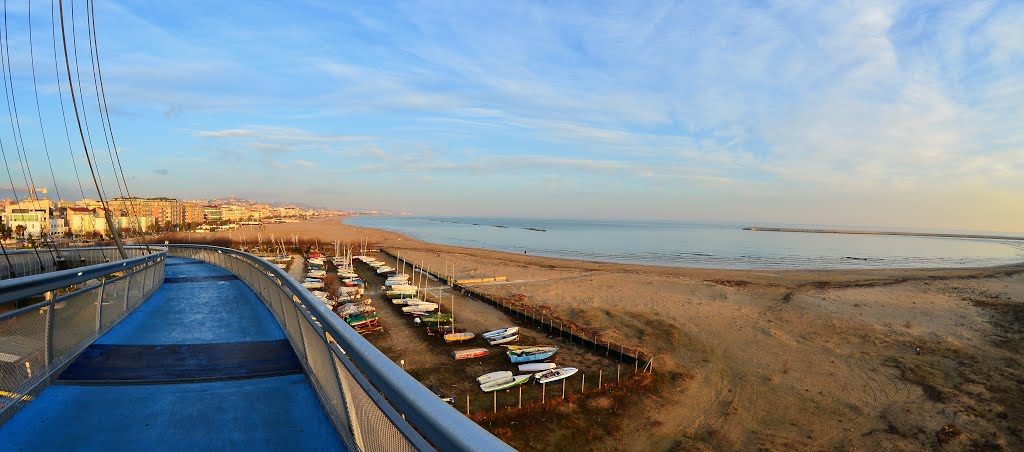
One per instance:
(434,319)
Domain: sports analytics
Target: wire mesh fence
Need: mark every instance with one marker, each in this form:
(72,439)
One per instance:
(65,313)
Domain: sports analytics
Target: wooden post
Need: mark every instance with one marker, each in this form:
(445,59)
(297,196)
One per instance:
(583,384)
(563,389)
(520,396)
(467,405)
(543,392)
(618,372)
(650,366)
(600,377)
(495,401)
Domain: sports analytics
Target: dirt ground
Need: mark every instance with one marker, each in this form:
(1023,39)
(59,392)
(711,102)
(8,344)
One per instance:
(813,360)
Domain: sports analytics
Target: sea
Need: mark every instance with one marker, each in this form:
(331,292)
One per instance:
(684,244)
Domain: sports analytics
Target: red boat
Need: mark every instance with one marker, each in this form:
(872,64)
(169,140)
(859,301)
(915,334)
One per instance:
(470,353)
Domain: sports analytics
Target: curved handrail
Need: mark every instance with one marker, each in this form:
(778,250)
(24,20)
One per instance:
(439,422)
(15,289)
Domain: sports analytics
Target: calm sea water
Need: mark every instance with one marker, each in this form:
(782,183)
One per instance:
(697,245)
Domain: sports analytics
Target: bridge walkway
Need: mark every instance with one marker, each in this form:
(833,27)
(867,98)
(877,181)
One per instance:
(201,365)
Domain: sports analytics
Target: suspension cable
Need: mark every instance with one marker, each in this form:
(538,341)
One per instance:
(60,96)
(81,134)
(39,113)
(108,130)
(16,132)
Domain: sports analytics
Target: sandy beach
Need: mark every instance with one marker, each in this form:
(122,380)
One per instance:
(841,359)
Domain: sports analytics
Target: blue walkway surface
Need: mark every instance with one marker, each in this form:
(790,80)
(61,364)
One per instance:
(240,404)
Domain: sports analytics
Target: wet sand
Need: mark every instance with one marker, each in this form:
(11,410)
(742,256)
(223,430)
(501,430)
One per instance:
(782,359)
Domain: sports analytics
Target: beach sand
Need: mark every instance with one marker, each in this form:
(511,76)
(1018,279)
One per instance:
(837,359)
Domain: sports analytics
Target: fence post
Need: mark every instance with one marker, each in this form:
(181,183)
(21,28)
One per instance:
(600,377)
(563,389)
(520,396)
(618,372)
(543,392)
(495,401)
(583,384)
(467,405)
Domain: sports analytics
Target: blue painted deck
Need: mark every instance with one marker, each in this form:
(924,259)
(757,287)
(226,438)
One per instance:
(198,315)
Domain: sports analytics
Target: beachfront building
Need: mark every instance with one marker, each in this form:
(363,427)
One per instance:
(31,218)
(84,222)
(212,214)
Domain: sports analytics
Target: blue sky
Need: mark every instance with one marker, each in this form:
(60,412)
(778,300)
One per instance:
(858,113)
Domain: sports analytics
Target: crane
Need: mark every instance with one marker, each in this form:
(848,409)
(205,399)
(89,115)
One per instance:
(31,191)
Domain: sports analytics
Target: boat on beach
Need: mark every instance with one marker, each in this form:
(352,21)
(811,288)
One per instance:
(493,376)
(551,375)
(531,354)
(421,307)
(458,337)
(505,383)
(470,353)
(434,319)
(442,330)
(392,294)
(498,340)
(502,332)
(536,367)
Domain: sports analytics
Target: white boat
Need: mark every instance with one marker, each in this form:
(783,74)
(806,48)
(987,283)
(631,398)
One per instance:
(375,263)
(505,383)
(550,375)
(498,340)
(313,283)
(404,288)
(316,273)
(499,375)
(501,332)
(422,307)
(405,301)
(384,269)
(316,261)
(536,367)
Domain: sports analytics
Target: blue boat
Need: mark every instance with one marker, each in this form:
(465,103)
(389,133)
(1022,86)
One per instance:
(525,355)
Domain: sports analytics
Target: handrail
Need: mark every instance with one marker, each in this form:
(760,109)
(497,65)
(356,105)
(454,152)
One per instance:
(440,423)
(12,290)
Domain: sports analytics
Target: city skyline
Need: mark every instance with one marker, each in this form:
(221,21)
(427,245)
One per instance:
(870,114)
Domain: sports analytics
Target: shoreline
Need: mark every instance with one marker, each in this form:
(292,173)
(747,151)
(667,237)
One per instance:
(893,233)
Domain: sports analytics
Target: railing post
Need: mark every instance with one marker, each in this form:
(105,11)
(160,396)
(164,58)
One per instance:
(50,307)
(99,304)
(127,290)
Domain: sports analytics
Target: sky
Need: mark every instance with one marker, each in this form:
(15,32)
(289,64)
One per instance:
(898,114)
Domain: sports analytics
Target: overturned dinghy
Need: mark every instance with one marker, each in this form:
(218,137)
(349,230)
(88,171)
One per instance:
(493,376)
(505,383)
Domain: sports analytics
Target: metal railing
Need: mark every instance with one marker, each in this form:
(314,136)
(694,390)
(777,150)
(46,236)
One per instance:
(20,263)
(52,317)
(372,402)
